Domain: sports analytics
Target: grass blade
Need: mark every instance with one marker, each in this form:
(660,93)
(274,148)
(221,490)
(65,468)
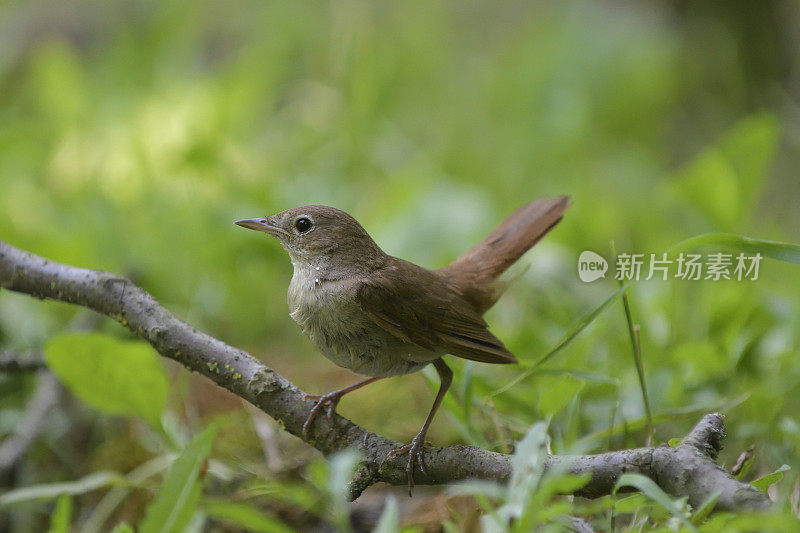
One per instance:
(61,519)
(579,326)
(390,517)
(111,500)
(173,507)
(243,515)
(705,508)
(788,253)
(649,488)
(636,344)
(50,491)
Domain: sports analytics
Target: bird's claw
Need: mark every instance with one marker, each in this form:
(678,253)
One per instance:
(331,400)
(416,455)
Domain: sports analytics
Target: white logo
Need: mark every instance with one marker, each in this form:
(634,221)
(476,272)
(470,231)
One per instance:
(591,266)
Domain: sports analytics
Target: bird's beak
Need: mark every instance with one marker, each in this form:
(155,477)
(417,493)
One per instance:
(260,224)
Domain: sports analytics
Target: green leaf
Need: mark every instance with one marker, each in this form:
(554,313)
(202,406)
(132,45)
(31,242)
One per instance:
(176,501)
(782,251)
(527,467)
(749,147)
(465,413)
(61,518)
(561,482)
(734,168)
(474,487)
(630,504)
(111,375)
(765,482)
(302,495)
(341,465)
(674,442)
(50,491)
(243,515)
(711,171)
(555,393)
(649,488)
(390,517)
(705,508)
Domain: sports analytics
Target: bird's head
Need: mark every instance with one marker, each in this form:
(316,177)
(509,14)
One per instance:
(318,235)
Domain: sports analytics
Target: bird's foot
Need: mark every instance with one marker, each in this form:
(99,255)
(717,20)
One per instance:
(331,400)
(416,456)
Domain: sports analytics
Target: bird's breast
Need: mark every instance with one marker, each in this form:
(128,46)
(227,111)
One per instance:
(329,314)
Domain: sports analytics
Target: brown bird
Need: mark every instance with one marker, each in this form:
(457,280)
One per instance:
(381,316)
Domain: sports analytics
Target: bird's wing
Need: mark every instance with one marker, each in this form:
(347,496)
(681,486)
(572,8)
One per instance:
(431,315)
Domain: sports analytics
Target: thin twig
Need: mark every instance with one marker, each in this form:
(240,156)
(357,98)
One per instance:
(11,362)
(45,397)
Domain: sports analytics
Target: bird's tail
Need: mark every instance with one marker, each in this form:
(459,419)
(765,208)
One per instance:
(477,270)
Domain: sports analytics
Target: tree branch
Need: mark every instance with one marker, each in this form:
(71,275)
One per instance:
(12,363)
(45,397)
(688,469)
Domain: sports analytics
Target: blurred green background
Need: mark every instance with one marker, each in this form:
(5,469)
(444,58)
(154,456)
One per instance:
(133,133)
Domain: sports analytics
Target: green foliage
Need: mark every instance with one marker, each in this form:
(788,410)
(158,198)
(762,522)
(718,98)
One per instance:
(390,519)
(765,482)
(556,393)
(50,491)
(61,519)
(734,168)
(574,330)
(113,376)
(705,509)
(243,515)
(341,468)
(304,496)
(530,500)
(137,477)
(649,488)
(527,469)
(781,251)
(177,499)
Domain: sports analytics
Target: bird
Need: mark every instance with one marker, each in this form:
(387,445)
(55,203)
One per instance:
(381,316)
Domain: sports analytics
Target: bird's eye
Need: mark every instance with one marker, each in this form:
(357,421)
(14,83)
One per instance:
(303,224)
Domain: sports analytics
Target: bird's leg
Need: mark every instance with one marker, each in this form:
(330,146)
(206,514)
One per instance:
(331,400)
(416,450)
